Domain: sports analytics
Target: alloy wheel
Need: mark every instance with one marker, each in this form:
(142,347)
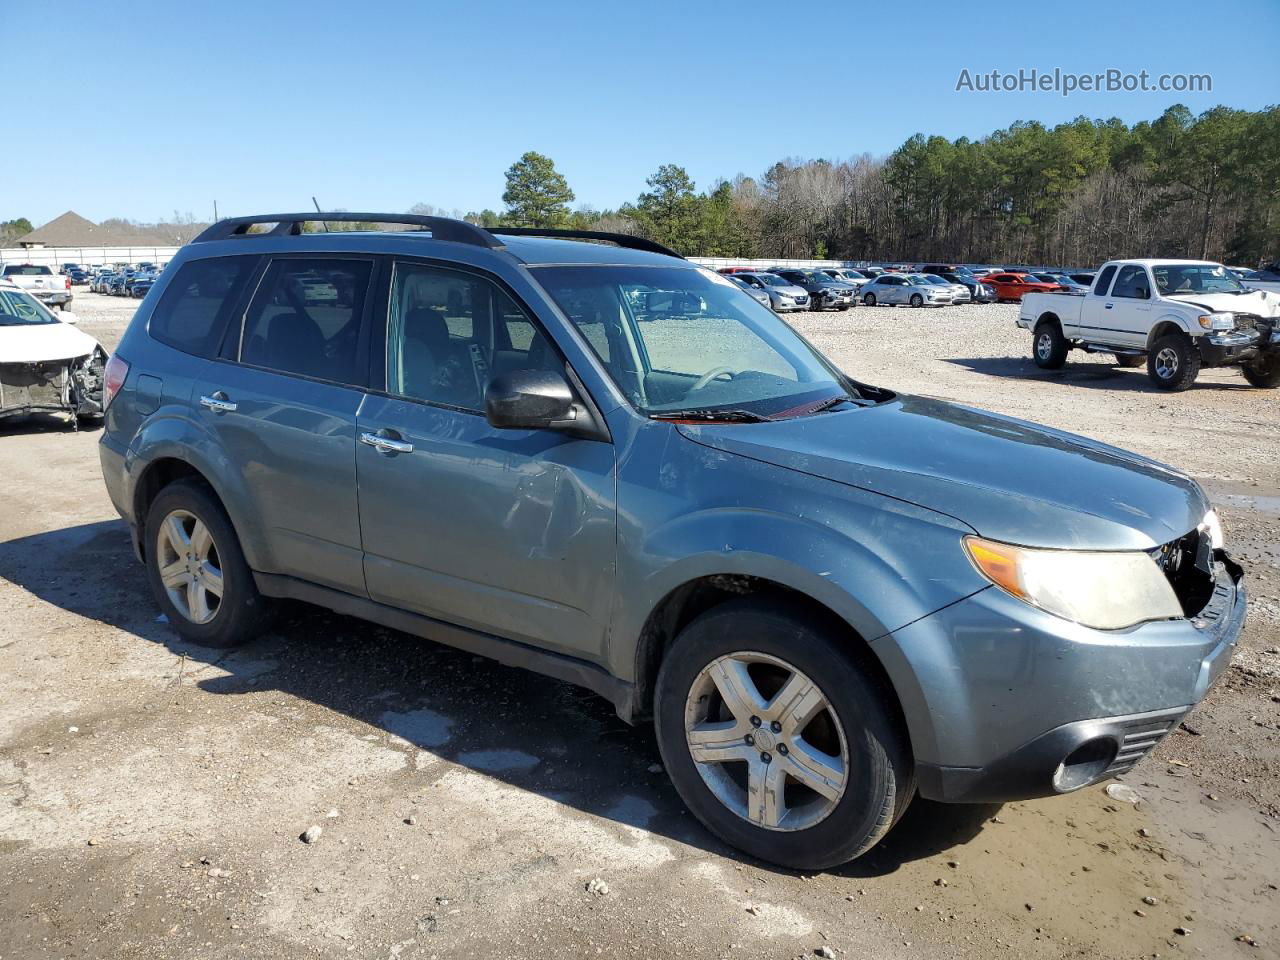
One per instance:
(766,741)
(1044,346)
(1167,363)
(190,568)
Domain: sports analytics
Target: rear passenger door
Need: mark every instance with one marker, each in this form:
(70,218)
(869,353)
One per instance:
(279,405)
(511,532)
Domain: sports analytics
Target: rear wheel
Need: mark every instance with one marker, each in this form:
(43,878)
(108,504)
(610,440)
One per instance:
(779,738)
(1263,372)
(197,570)
(1130,360)
(1173,362)
(1050,346)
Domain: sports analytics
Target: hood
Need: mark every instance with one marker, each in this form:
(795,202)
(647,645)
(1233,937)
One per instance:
(1260,302)
(791,290)
(38,342)
(1007,479)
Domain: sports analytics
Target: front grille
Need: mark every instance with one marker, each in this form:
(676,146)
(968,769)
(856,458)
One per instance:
(1188,565)
(1140,736)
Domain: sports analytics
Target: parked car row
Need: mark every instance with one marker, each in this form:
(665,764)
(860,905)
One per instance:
(125,282)
(790,289)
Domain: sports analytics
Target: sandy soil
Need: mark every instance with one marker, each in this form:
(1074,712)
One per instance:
(152,793)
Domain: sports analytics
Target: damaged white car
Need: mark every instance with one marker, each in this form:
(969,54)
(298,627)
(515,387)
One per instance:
(46,364)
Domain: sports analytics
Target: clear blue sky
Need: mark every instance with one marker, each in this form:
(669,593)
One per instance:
(377,105)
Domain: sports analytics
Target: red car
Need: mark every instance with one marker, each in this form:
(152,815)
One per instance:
(1012,286)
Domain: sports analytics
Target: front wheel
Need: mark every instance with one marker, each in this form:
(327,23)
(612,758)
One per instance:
(917,300)
(869,299)
(1263,372)
(1051,347)
(1173,362)
(197,570)
(779,737)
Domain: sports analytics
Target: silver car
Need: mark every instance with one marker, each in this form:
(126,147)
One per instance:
(959,292)
(846,275)
(784,296)
(894,289)
(755,293)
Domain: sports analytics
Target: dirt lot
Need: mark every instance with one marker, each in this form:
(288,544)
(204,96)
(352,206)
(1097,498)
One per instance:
(152,793)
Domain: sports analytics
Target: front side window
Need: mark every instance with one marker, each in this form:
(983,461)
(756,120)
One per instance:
(683,339)
(305,318)
(1104,281)
(1131,282)
(449,332)
(18,309)
(193,311)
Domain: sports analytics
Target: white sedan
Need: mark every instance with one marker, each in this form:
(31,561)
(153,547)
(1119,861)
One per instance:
(46,364)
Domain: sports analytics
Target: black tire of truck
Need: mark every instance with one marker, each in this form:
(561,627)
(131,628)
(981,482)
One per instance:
(1173,362)
(1048,346)
(1130,361)
(1263,372)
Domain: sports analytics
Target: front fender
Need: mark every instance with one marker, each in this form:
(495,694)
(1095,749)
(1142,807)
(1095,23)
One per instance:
(170,433)
(1184,323)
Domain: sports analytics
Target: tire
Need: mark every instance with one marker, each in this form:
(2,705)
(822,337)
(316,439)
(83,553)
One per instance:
(917,300)
(1263,372)
(240,613)
(858,718)
(1049,347)
(1173,362)
(1129,361)
(869,299)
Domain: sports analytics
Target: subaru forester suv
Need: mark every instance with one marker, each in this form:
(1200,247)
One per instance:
(581,454)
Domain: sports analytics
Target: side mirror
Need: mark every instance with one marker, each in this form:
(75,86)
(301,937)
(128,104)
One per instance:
(67,317)
(529,400)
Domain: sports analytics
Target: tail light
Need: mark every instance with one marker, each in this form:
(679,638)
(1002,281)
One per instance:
(113,379)
(68,283)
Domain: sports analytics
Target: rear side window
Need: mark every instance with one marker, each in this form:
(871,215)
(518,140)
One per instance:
(305,318)
(193,311)
(1104,282)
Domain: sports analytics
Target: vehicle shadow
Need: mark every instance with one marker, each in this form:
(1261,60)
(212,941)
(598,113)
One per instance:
(1103,375)
(526,730)
(42,423)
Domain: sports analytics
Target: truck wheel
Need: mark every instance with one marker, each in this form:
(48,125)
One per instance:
(778,738)
(1050,346)
(1263,372)
(197,570)
(1129,360)
(917,300)
(1173,363)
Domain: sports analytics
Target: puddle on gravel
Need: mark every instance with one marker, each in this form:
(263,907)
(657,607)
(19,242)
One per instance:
(423,728)
(494,761)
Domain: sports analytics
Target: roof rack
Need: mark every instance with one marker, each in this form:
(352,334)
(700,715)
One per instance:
(290,224)
(620,239)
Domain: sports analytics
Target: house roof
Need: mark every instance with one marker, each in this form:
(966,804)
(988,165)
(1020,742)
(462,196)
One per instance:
(73,230)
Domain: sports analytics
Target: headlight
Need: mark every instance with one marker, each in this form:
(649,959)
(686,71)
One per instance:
(1103,590)
(1213,526)
(1218,321)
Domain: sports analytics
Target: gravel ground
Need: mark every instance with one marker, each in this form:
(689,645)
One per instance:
(153,794)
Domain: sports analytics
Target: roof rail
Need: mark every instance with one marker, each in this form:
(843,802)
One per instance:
(290,224)
(620,239)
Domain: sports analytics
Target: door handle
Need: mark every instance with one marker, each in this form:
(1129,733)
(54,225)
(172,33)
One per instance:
(1108,306)
(218,403)
(385,444)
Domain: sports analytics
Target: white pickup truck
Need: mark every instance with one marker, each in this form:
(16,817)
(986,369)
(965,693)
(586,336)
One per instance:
(1175,315)
(41,282)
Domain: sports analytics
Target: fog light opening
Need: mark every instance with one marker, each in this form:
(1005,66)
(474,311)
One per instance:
(1085,764)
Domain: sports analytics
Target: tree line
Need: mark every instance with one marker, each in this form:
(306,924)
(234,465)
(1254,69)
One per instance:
(1204,186)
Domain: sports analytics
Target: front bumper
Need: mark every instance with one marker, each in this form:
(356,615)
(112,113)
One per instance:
(1006,702)
(1237,346)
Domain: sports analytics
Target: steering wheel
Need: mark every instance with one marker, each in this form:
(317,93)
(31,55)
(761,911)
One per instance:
(710,375)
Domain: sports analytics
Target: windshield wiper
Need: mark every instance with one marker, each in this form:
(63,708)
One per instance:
(711,416)
(830,402)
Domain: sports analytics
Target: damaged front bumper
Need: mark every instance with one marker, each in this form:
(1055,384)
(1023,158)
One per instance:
(72,386)
(1251,339)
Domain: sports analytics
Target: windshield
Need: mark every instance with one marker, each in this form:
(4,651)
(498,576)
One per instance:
(854,275)
(773,280)
(1173,279)
(21,309)
(676,339)
(934,278)
(27,271)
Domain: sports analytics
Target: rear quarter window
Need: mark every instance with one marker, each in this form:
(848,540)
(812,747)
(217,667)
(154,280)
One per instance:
(192,314)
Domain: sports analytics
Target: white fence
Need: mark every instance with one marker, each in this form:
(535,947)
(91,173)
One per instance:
(88,256)
(716,263)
